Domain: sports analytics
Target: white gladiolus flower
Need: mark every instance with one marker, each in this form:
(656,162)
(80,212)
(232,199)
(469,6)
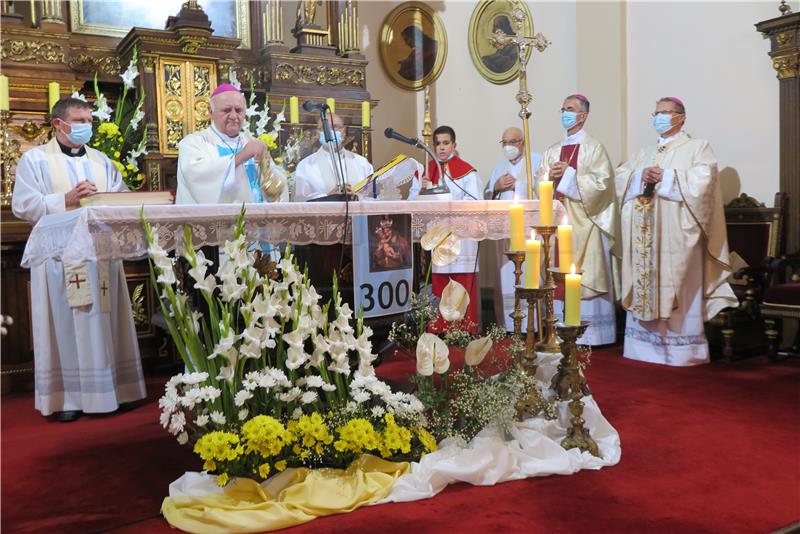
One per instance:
(103,111)
(198,273)
(294,338)
(76,94)
(309,397)
(129,75)
(454,302)
(137,117)
(218,418)
(208,285)
(477,350)
(340,365)
(241,397)
(295,357)
(250,350)
(202,420)
(432,355)
(196,316)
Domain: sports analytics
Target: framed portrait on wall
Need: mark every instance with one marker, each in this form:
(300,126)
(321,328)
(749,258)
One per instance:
(512,17)
(413,45)
(114,18)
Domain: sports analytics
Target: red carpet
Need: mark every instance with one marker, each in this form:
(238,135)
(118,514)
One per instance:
(706,449)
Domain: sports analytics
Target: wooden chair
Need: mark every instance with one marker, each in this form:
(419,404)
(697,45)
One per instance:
(755,240)
(781,302)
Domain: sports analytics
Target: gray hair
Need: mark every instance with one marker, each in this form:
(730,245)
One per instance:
(582,99)
(678,103)
(61,108)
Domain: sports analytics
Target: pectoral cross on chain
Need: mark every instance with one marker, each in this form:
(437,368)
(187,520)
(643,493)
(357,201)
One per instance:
(77,281)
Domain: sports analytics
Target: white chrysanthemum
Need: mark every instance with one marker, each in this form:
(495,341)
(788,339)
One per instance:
(243,414)
(177,423)
(210,393)
(328,387)
(314,381)
(241,397)
(202,420)
(291,395)
(361,397)
(309,397)
(218,418)
(164,418)
(183,438)
(378,411)
(297,413)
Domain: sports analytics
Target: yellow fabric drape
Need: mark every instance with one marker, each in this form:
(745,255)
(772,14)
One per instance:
(291,498)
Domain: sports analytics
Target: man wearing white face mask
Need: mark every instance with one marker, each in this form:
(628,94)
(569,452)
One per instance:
(316,175)
(674,244)
(584,182)
(86,355)
(509,179)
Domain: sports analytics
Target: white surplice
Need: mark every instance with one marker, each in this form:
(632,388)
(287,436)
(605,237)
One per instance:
(315,175)
(85,357)
(504,283)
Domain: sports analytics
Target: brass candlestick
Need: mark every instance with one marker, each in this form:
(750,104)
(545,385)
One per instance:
(532,297)
(549,342)
(9,156)
(560,381)
(577,435)
(517,257)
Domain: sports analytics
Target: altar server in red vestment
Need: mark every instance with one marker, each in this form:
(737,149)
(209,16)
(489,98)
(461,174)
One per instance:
(86,355)
(584,182)
(464,184)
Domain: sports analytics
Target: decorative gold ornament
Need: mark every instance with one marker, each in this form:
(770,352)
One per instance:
(413,46)
(319,75)
(86,63)
(787,66)
(9,156)
(190,44)
(137,306)
(36,52)
(30,131)
(548,343)
(148,63)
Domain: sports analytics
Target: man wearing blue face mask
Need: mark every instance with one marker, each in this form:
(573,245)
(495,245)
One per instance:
(674,244)
(584,183)
(86,355)
(316,175)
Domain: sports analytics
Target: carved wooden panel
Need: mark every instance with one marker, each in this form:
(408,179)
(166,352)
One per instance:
(184,90)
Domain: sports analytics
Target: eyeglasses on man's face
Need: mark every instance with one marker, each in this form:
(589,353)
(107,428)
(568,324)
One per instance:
(511,142)
(666,111)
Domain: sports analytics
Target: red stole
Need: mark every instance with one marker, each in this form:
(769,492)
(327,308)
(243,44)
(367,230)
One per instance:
(454,168)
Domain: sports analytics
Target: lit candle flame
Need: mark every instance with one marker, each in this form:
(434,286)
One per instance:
(564,220)
(533,234)
(572,269)
(515,198)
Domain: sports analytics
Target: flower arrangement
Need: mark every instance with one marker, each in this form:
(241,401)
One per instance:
(117,134)
(5,320)
(274,378)
(459,403)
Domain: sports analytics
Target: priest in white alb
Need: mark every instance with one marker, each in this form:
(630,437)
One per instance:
(674,244)
(223,163)
(86,355)
(509,180)
(319,174)
(584,182)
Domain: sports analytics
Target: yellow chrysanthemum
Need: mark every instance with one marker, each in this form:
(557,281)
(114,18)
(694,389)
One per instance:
(357,436)
(264,435)
(427,440)
(116,153)
(108,128)
(269,140)
(281,465)
(263,470)
(219,446)
(396,438)
(222,479)
(118,165)
(209,465)
(312,430)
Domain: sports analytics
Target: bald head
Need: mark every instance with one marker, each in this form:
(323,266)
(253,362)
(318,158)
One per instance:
(512,134)
(227,112)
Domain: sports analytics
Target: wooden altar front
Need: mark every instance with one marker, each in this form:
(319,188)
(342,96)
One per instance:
(179,66)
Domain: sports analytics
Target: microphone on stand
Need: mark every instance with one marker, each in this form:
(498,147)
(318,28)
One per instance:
(310,106)
(441,188)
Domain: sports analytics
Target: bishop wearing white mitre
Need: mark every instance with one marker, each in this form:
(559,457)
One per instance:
(86,355)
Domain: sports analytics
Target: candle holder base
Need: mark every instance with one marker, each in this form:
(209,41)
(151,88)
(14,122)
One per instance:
(549,343)
(517,257)
(575,389)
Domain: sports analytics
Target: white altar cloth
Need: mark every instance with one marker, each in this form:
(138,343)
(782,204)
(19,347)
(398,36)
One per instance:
(115,232)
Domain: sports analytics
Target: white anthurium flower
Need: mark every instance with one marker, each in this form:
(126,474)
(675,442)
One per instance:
(477,350)
(129,75)
(443,243)
(241,397)
(432,355)
(454,302)
(208,285)
(243,414)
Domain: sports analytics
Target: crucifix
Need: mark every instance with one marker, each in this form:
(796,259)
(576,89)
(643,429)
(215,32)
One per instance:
(500,39)
(77,281)
(104,288)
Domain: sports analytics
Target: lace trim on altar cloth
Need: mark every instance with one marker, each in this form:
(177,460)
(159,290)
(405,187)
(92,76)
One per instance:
(667,340)
(115,232)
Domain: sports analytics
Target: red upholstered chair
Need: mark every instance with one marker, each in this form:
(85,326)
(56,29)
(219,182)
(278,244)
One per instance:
(754,239)
(781,302)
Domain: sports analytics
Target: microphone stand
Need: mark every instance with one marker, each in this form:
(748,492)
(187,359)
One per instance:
(336,162)
(441,188)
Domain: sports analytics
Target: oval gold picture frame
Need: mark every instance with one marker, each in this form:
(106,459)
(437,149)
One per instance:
(498,66)
(413,45)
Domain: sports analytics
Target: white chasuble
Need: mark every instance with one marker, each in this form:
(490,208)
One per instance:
(674,252)
(208,175)
(85,357)
(588,194)
(315,176)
